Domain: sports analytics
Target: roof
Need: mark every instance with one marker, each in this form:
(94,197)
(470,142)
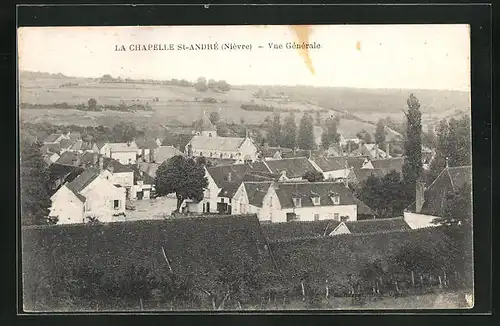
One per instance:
(123,147)
(331,163)
(369,150)
(65,172)
(294,167)
(289,153)
(238,172)
(216,143)
(450,179)
(145,143)
(199,249)
(70,158)
(52,138)
(178,141)
(306,190)
(77,145)
(363,174)
(51,148)
(149,168)
(356,162)
(75,136)
(256,192)
(377,225)
(389,164)
(206,124)
(116,166)
(163,153)
(140,175)
(83,180)
(298,229)
(66,143)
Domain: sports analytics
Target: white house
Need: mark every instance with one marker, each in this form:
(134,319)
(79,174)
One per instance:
(208,144)
(291,169)
(209,202)
(143,185)
(125,153)
(148,149)
(88,195)
(333,168)
(302,201)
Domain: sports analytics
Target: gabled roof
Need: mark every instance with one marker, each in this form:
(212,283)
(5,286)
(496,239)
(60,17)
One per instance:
(76,146)
(237,172)
(256,192)
(145,143)
(65,172)
(451,179)
(163,153)
(377,225)
(116,166)
(123,147)
(306,190)
(331,163)
(289,153)
(294,167)
(69,158)
(52,138)
(216,143)
(83,180)
(140,175)
(298,229)
(356,162)
(66,143)
(51,148)
(178,141)
(149,168)
(389,164)
(206,124)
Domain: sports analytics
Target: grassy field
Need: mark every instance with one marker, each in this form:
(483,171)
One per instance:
(178,104)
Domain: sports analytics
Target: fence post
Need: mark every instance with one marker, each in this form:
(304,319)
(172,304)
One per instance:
(444,279)
(440,284)
(412,279)
(421,280)
(326,288)
(303,291)
(140,302)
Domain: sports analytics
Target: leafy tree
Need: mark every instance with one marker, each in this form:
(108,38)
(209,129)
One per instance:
(385,195)
(313,176)
(306,133)
(380,133)
(330,135)
(457,209)
(124,132)
(214,117)
(289,133)
(92,104)
(242,120)
(201,84)
(34,184)
(224,86)
(364,136)
(429,138)
(275,131)
(412,167)
(222,129)
(183,176)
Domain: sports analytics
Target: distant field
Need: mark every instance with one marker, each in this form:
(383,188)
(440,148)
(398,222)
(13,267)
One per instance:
(176,103)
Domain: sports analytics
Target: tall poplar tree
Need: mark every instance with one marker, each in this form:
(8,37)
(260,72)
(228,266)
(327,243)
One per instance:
(289,133)
(274,137)
(412,168)
(306,133)
(380,133)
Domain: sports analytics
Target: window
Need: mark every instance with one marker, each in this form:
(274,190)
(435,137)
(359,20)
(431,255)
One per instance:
(316,217)
(209,134)
(297,202)
(316,200)
(344,218)
(87,206)
(201,153)
(231,155)
(222,200)
(335,199)
(336,217)
(220,155)
(270,201)
(116,204)
(291,217)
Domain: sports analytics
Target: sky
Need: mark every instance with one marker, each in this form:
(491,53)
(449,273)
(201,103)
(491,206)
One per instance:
(362,56)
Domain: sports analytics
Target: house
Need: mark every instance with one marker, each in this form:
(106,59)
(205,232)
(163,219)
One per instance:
(148,149)
(307,201)
(88,195)
(51,148)
(345,139)
(59,174)
(371,226)
(372,151)
(178,141)
(82,146)
(50,158)
(143,187)
(429,203)
(149,168)
(334,168)
(208,144)
(65,144)
(224,181)
(387,165)
(125,153)
(290,168)
(277,153)
(55,138)
(163,153)
(209,202)
(251,198)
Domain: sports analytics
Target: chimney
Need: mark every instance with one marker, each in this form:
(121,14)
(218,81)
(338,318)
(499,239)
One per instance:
(101,163)
(310,154)
(387,147)
(94,159)
(419,195)
(349,147)
(229,177)
(190,150)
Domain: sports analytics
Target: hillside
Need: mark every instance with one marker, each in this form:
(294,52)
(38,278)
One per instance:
(183,103)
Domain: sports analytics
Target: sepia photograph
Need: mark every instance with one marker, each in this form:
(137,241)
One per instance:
(245,168)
